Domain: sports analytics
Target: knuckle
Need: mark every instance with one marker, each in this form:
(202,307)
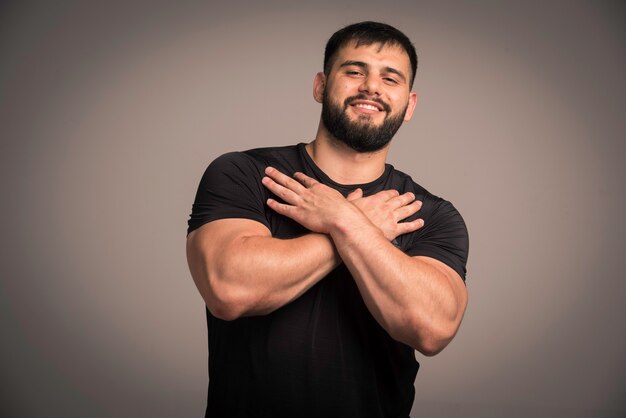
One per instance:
(292,184)
(387,194)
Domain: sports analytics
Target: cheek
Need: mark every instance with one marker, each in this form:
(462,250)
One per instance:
(339,93)
(344,86)
(342,90)
(401,101)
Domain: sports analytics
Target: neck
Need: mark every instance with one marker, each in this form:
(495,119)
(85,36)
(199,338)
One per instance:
(343,164)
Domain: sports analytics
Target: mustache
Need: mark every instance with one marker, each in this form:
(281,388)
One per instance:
(362,96)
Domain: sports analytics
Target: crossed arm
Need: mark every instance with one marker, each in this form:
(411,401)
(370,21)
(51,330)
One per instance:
(418,300)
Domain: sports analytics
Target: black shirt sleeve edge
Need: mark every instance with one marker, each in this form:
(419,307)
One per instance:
(439,257)
(259,219)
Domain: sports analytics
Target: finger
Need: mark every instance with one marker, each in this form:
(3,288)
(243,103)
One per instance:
(284,180)
(408,210)
(355,194)
(406,227)
(281,208)
(304,179)
(283,192)
(402,200)
(386,195)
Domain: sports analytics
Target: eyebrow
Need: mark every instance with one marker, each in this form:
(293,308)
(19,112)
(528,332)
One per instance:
(363,65)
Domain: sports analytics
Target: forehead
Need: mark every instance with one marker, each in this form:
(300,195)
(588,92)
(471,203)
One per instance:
(377,54)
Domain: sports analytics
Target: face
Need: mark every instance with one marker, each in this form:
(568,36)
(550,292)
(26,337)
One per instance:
(366,96)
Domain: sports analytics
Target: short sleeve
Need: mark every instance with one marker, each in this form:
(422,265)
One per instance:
(443,237)
(230,188)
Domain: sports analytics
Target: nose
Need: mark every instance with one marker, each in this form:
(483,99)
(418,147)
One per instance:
(370,85)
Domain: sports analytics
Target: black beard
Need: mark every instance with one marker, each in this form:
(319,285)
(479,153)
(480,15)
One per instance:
(361,136)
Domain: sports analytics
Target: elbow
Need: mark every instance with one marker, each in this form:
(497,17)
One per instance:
(431,346)
(432,339)
(430,335)
(429,343)
(225,301)
(224,308)
(223,296)
(224,312)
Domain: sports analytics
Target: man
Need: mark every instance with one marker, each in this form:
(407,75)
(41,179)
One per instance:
(319,276)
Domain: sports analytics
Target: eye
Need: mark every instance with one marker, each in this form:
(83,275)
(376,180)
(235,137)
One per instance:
(390,80)
(353,73)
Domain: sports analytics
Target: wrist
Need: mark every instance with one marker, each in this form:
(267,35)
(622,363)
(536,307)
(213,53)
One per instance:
(353,223)
(331,249)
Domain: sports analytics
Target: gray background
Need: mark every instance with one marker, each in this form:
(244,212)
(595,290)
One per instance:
(110,112)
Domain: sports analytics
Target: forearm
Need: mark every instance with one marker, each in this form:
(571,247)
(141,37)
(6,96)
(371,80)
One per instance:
(417,302)
(255,275)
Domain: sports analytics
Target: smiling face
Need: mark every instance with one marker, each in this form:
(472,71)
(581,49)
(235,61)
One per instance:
(366,95)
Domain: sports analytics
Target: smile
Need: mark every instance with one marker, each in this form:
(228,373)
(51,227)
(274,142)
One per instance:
(367,106)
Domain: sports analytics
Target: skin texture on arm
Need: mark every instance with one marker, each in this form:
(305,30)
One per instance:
(417,300)
(241,270)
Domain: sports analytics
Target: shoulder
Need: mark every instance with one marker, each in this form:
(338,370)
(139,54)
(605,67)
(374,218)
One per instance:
(254,160)
(444,235)
(405,183)
(231,186)
(269,153)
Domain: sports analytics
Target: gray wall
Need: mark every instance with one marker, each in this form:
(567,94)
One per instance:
(110,113)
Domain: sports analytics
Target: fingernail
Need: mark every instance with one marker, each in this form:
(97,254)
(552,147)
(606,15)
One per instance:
(268,169)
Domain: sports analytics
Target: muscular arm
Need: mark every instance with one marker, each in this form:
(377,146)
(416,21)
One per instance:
(418,300)
(240,270)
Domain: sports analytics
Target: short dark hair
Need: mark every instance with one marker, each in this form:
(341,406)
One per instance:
(369,33)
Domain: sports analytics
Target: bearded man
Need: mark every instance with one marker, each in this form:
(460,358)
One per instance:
(322,267)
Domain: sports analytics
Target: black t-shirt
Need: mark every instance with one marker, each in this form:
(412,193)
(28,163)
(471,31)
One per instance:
(324,354)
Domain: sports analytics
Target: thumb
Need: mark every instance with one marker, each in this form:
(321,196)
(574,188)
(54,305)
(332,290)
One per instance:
(355,194)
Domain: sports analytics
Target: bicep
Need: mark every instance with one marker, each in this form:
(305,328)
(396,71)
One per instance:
(444,237)
(457,290)
(208,245)
(213,237)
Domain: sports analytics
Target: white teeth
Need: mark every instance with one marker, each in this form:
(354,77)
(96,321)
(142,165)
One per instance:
(366,106)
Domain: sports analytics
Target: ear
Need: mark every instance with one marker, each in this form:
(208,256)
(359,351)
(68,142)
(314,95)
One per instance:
(411,106)
(319,85)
